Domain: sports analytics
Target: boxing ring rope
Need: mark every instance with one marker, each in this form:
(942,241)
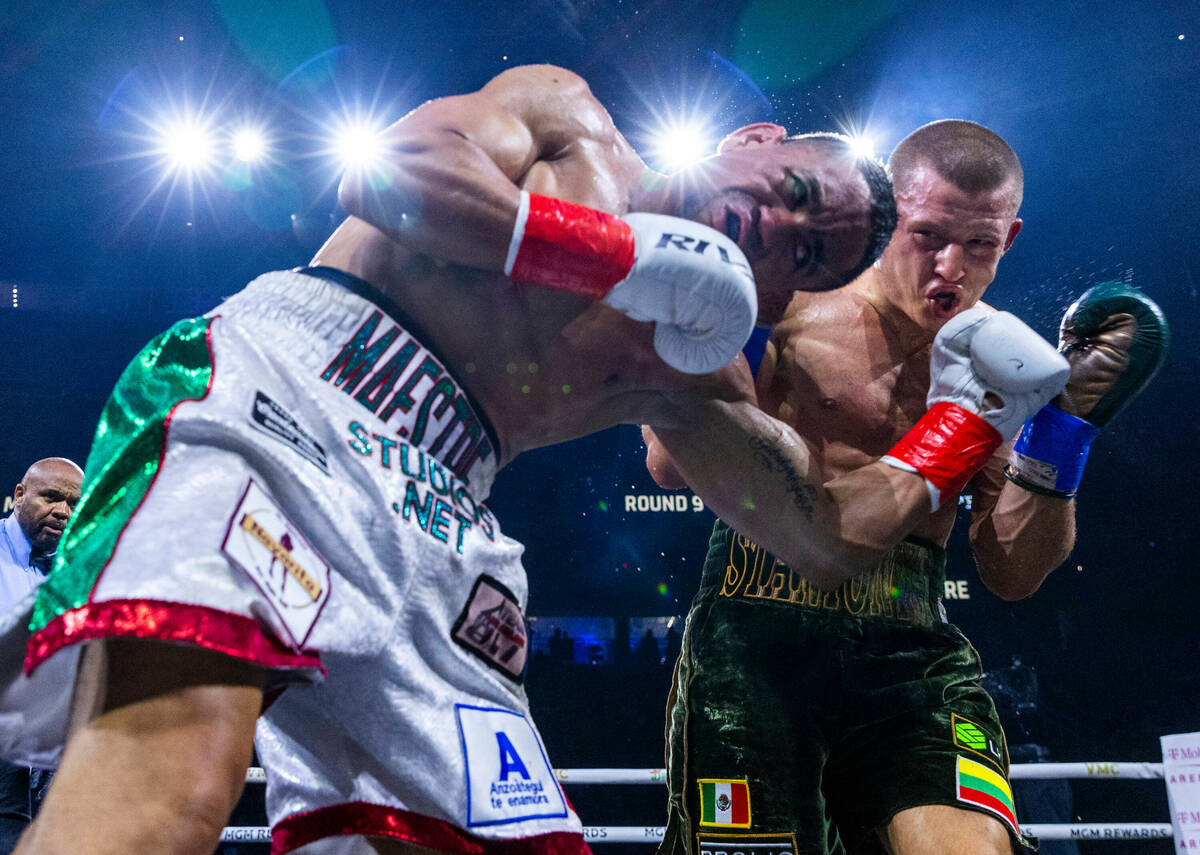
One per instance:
(1017,771)
(1107,770)
(650,834)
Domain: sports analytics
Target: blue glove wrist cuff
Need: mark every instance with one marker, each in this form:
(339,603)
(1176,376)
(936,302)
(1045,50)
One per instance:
(1050,452)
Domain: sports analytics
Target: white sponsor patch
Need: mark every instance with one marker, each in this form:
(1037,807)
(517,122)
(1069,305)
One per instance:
(508,776)
(271,551)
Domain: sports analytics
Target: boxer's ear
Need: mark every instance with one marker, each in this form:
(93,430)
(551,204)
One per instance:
(748,136)
(1013,230)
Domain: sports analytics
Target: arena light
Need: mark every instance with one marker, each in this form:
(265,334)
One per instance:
(188,145)
(862,145)
(679,146)
(249,144)
(865,136)
(359,146)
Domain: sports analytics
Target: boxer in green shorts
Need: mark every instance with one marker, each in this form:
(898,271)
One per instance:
(837,708)
(828,706)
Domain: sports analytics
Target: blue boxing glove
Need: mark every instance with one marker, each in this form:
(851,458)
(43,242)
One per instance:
(1115,338)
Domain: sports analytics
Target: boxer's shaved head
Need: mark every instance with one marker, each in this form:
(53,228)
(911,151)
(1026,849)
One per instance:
(966,154)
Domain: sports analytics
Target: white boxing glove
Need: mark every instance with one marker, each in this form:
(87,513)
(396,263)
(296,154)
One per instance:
(989,372)
(994,365)
(696,283)
(691,280)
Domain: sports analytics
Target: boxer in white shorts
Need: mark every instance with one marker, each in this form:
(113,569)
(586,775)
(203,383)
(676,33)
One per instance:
(278,527)
(311,490)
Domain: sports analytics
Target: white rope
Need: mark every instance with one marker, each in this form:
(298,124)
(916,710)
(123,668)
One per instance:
(1097,770)
(611,776)
(1100,770)
(653,834)
(1100,831)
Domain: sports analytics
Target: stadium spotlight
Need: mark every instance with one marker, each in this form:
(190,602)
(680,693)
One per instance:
(862,146)
(188,145)
(359,146)
(677,147)
(249,144)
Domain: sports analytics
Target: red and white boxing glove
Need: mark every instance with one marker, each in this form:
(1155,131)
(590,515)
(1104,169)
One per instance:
(989,372)
(693,281)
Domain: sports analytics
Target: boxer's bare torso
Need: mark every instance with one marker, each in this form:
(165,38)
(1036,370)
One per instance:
(849,383)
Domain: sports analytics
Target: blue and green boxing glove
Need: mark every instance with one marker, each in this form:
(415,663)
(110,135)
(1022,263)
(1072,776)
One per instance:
(1116,339)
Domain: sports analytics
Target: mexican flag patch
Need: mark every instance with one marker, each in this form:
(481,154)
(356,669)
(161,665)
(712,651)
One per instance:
(980,786)
(724,803)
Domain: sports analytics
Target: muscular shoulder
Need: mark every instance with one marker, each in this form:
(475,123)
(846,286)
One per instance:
(822,345)
(820,315)
(544,80)
(557,105)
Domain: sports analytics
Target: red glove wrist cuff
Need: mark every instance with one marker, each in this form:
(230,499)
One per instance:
(570,246)
(948,446)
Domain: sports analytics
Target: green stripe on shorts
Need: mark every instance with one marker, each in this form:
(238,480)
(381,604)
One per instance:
(174,367)
(969,780)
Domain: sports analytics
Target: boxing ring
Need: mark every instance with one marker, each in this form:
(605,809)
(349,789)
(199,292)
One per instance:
(1094,771)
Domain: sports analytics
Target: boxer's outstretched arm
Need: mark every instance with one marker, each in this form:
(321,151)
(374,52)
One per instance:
(756,473)
(451,185)
(1018,537)
(840,528)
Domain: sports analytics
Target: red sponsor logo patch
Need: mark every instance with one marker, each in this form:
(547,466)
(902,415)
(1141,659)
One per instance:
(491,627)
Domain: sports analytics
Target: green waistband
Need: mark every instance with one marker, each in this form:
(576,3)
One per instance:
(906,584)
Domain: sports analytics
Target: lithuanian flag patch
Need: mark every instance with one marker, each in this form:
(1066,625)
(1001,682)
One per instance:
(724,803)
(980,786)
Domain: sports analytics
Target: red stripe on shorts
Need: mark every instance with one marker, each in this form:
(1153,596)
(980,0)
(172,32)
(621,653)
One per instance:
(212,629)
(372,820)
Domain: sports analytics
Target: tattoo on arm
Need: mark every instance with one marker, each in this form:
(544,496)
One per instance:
(771,459)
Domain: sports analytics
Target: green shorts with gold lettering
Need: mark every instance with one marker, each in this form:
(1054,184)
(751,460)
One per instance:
(802,721)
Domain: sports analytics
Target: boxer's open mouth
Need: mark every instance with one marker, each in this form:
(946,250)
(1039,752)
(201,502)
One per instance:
(733,226)
(742,228)
(944,301)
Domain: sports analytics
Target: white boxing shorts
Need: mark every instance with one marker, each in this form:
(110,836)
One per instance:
(296,480)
